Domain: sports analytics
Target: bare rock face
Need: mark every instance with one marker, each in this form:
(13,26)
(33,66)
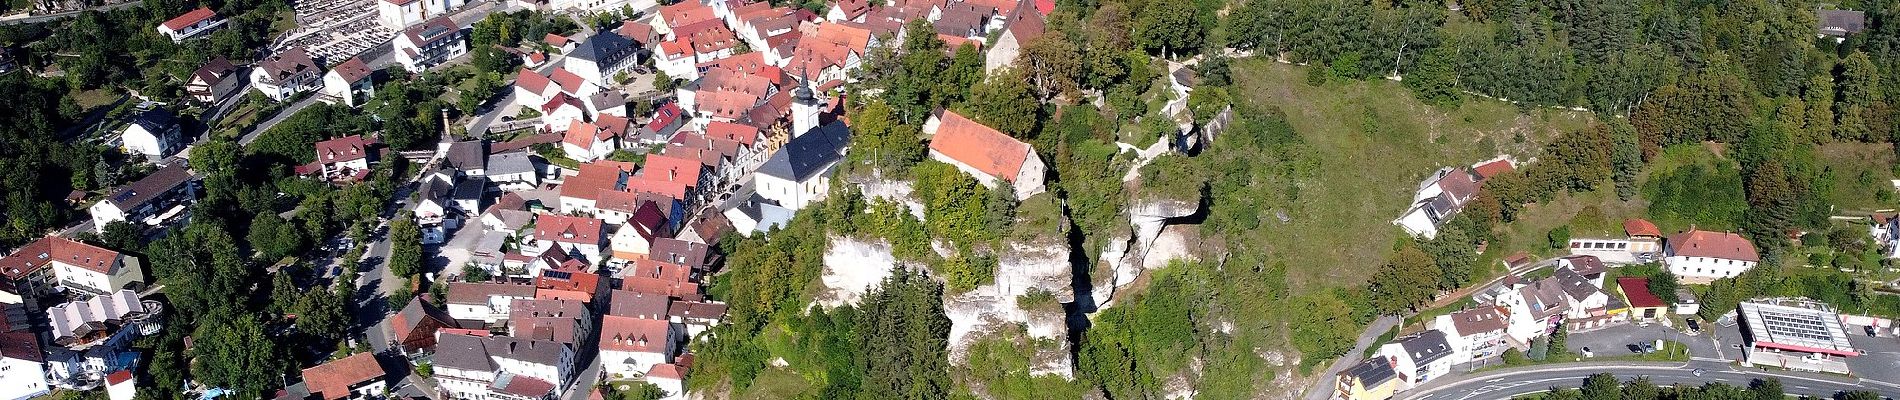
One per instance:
(1021,269)
(852,267)
(1127,259)
(898,191)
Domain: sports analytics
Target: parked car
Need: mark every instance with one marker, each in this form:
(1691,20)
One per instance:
(1871,332)
(1695,328)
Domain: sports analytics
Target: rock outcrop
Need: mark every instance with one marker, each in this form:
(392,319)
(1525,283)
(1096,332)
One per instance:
(1127,259)
(1021,269)
(852,267)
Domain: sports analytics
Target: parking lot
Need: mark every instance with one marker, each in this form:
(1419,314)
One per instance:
(1615,340)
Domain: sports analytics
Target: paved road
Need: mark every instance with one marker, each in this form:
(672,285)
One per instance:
(49,17)
(1507,383)
(1323,386)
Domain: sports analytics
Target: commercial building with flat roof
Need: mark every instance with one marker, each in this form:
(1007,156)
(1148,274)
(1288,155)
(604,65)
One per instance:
(1795,333)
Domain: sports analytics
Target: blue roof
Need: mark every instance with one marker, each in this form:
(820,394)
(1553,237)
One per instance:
(807,155)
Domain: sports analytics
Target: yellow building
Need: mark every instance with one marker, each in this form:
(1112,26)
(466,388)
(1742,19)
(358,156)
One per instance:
(1372,379)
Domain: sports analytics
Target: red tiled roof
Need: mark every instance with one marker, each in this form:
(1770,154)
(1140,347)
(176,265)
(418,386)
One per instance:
(635,31)
(569,82)
(595,177)
(663,116)
(584,135)
(353,70)
(980,146)
(743,134)
(119,377)
(190,18)
(332,380)
(567,229)
(555,40)
(527,387)
(36,255)
(558,100)
(670,168)
(1493,168)
(659,286)
(1636,291)
(623,333)
(656,269)
(1640,227)
(728,105)
(666,371)
(851,37)
(574,281)
(686,13)
(1723,245)
(532,81)
(347,148)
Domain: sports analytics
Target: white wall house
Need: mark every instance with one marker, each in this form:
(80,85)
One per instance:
(1420,357)
(431,43)
(630,346)
(286,74)
(192,23)
(153,133)
(1475,333)
(985,153)
(800,172)
(350,83)
(1699,256)
(488,302)
(22,367)
(152,200)
(499,367)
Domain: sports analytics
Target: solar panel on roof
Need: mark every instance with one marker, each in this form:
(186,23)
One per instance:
(557,274)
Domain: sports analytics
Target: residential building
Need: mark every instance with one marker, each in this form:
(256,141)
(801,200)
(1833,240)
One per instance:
(416,324)
(1839,23)
(54,260)
(1370,379)
(286,74)
(1534,310)
(1438,198)
(1020,26)
(603,55)
(990,155)
(22,364)
(468,158)
(501,367)
(581,237)
(670,378)
(1640,244)
(399,14)
(1643,306)
(485,302)
(1589,307)
(561,321)
(153,133)
(214,82)
(431,43)
(694,255)
(347,157)
(110,320)
(1699,256)
(1794,333)
(354,377)
(800,173)
(514,170)
(697,317)
(588,142)
(1474,333)
(152,200)
(750,213)
(190,24)
(350,83)
(1885,228)
(560,111)
(631,346)
(634,239)
(1419,357)
(571,284)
